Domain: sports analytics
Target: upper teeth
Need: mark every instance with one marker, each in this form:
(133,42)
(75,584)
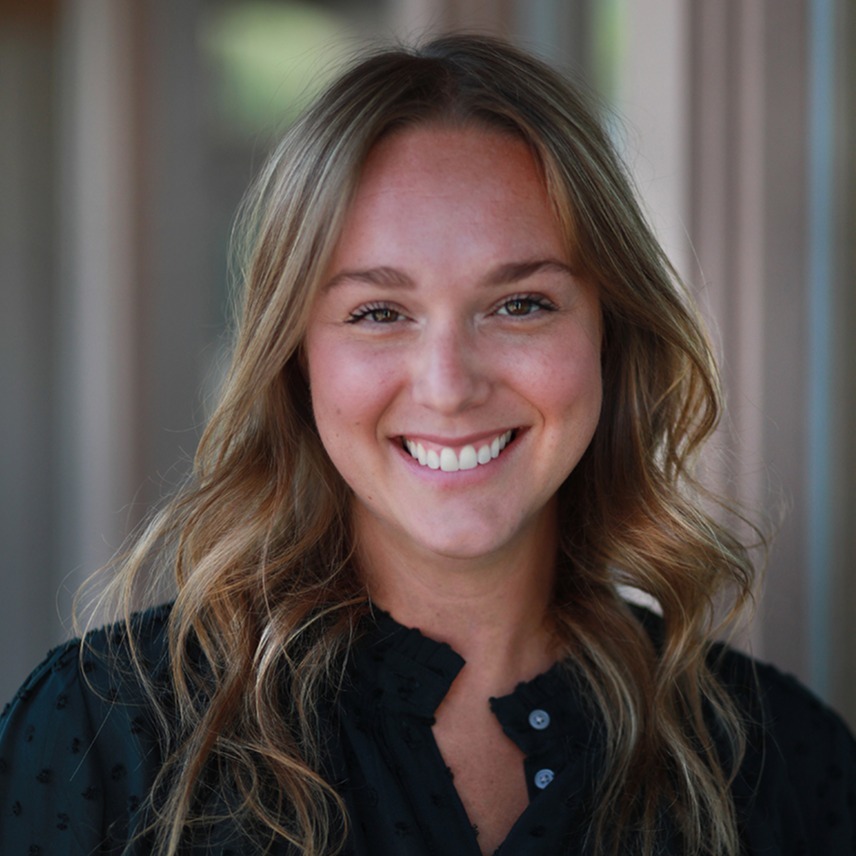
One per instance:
(450,461)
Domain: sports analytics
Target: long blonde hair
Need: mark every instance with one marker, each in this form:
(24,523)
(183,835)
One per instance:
(267,603)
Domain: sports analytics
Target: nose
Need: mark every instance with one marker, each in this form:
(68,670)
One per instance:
(449,374)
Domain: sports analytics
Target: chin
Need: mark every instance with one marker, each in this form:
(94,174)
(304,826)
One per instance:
(465,546)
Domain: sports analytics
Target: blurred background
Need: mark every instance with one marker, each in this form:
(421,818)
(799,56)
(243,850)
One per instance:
(129,130)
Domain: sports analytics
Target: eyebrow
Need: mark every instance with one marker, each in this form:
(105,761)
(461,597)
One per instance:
(516,271)
(506,274)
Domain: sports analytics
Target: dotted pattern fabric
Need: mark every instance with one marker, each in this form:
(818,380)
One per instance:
(79,751)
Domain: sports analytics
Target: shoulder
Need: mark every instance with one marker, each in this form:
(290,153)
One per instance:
(796,789)
(777,704)
(79,742)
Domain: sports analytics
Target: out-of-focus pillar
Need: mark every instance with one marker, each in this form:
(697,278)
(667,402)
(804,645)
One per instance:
(28,266)
(728,143)
(652,91)
(97,320)
(838,35)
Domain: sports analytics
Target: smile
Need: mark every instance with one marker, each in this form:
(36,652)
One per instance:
(449,461)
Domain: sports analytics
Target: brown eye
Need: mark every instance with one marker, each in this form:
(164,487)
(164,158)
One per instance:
(520,307)
(375,314)
(383,316)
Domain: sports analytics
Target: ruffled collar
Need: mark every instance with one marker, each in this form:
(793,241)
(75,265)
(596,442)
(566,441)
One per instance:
(399,670)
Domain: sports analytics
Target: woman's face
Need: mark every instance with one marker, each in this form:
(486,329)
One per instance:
(453,355)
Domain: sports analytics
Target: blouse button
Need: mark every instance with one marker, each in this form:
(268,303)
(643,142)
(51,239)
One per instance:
(543,778)
(539,719)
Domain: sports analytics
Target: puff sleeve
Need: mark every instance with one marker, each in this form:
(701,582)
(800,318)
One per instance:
(797,787)
(77,757)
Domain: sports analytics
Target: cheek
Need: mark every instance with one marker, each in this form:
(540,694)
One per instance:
(565,381)
(348,390)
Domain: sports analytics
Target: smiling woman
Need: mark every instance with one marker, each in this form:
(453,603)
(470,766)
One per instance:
(464,404)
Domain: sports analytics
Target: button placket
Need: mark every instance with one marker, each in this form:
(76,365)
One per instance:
(539,719)
(543,778)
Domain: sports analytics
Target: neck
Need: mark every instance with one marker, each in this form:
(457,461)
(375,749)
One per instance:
(493,611)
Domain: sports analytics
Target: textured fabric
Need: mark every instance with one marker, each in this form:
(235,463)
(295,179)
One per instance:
(79,751)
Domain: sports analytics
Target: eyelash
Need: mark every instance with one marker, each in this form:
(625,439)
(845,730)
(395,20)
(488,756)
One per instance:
(534,301)
(370,309)
(531,301)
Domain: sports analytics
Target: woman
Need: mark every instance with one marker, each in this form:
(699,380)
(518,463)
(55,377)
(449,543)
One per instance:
(463,407)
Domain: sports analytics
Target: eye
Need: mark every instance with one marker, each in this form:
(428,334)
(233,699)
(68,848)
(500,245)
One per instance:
(522,305)
(375,313)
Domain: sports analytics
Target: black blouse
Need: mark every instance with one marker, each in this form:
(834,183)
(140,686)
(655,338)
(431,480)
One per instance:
(79,752)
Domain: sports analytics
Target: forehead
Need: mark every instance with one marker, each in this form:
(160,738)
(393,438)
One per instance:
(441,149)
(450,189)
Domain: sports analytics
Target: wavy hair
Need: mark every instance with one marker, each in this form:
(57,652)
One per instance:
(267,603)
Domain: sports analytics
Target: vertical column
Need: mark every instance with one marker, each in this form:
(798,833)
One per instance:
(181,262)
(27,270)
(840,507)
(96,325)
(820,262)
(748,146)
(787,385)
(651,97)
